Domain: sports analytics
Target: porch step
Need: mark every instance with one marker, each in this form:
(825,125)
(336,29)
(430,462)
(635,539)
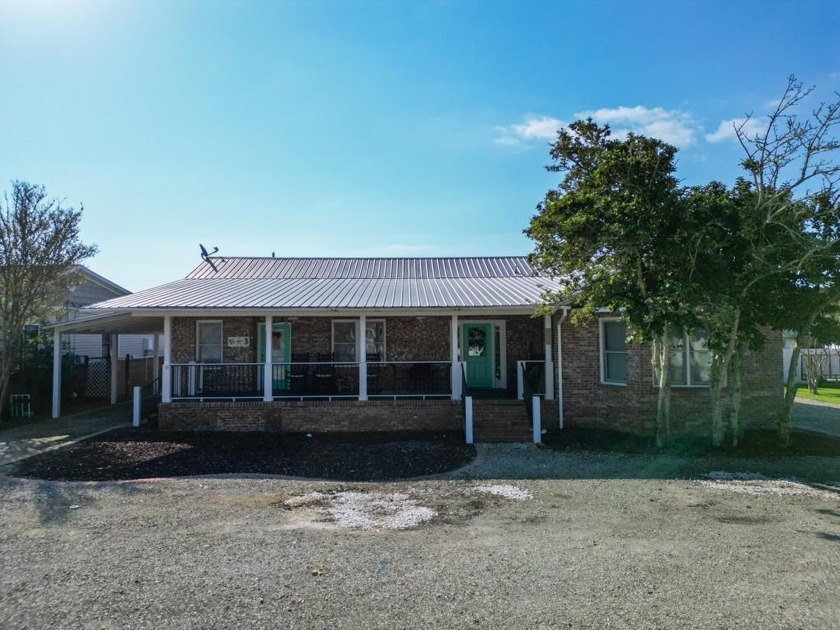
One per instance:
(501,421)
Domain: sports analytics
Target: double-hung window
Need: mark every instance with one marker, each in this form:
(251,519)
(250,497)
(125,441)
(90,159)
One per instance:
(691,360)
(209,342)
(345,333)
(613,352)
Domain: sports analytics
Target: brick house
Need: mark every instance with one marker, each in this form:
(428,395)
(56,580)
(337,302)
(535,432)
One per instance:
(399,344)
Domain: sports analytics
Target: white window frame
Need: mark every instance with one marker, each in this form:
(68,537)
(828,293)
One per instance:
(602,350)
(198,324)
(355,323)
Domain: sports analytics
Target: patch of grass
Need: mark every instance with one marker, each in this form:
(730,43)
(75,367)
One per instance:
(827,393)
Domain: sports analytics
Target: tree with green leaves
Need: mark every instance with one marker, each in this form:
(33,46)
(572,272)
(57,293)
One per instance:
(774,239)
(615,230)
(40,249)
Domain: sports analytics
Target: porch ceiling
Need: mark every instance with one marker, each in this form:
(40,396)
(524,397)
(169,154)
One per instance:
(113,324)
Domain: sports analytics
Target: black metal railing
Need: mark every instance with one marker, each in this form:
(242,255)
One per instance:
(217,380)
(465,389)
(149,399)
(315,379)
(312,379)
(408,379)
(533,382)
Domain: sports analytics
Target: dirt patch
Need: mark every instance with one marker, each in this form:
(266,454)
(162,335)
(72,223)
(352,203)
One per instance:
(140,454)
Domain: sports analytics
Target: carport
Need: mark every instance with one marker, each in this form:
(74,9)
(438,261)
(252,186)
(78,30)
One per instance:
(112,325)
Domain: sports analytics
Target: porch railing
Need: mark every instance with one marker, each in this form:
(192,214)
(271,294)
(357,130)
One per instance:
(149,398)
(217,380)
(530,379)
(316,379)
(409,379)
(308,380)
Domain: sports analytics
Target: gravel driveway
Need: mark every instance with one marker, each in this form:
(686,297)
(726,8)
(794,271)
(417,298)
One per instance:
(521,538)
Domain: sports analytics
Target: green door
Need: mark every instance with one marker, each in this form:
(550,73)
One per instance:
(477,348)
(281,350)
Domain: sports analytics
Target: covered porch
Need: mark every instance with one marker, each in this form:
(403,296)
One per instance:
(224,357)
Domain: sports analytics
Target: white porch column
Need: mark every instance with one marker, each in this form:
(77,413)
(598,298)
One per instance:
(361,353)
(114,353)
(455,375)
(166,377)
(549,364)
(268,393)
(156,356)
(56,385)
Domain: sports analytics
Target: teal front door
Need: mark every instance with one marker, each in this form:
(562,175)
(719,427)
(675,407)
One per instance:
(477,349)
(281,350)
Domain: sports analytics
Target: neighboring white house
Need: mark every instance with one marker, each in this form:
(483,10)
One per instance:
(95,288)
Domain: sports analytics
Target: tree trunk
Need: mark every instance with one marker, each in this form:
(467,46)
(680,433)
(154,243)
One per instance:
(790,397)
(6,362)
(715,385)
(813,370)
(662,360)
(720,363)
(735,400)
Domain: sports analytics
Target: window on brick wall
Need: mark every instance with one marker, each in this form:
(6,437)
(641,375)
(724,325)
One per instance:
(613,352)
(209,342)
(345,334)
(691,360)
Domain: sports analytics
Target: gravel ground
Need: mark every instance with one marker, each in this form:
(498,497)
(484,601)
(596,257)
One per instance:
(519,538)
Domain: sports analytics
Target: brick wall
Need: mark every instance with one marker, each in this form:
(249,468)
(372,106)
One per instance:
(314,417)
(632,407)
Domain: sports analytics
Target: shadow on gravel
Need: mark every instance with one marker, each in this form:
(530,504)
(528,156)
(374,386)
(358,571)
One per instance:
(144,453)
(56,501)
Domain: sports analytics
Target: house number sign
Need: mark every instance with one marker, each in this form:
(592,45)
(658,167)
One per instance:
(238,342)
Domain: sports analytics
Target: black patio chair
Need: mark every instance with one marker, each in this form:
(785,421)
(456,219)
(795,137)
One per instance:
(325,374)
(298,373)
(374,366)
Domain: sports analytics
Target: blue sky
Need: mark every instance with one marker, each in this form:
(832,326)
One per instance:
(366,128)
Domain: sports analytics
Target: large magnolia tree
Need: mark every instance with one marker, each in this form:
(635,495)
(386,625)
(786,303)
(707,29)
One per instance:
(40,249)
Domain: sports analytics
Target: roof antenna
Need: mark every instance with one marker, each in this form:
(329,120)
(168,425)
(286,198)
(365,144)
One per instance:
(206,256)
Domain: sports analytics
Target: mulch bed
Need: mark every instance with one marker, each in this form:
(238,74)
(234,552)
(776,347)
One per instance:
(145,453)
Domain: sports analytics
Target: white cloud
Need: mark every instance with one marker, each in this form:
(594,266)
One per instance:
(671,125)
(726,129)
(674,126)
(533,128)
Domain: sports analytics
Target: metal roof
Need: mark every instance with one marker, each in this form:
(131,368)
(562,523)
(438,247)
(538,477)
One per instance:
(347,283)
(367,268)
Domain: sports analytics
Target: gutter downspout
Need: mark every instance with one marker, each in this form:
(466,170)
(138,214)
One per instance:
(559,395)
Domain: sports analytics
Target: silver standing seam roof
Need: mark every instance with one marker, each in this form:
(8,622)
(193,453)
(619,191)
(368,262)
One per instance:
(347,283)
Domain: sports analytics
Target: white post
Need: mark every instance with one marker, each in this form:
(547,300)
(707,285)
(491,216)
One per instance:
(520,380)
(549,365)
(455,375)
(268,381)
(114,352)
(361,354)
(156,355)
(537,419)
(166,378)
(56,389)
(135,408)
(468,419)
